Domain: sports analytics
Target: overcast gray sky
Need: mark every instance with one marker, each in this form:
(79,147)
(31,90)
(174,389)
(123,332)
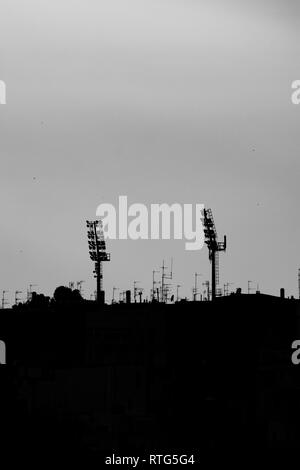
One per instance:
(160,100)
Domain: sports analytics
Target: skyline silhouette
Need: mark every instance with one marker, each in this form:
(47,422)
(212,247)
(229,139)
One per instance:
(211,378)
(88,286)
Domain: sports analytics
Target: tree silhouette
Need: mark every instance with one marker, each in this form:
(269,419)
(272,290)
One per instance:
(65,295)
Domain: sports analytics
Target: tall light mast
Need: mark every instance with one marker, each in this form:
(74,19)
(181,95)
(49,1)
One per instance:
(211,240)
(98,254)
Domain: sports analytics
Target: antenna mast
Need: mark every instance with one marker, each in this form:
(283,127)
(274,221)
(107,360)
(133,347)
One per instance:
(164,276)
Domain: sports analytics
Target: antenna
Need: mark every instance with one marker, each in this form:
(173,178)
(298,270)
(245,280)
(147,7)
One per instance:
(206,285)
(29,291)
(195,289)
(177,292)
(135,290)
(4,301)
(115,289)
(226,288)
(249,287)
(140,293)
(154,282)
(211,240)
(79,286)
(17,299)
(164,276)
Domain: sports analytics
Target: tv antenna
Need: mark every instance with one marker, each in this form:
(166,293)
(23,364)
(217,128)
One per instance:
(164,276)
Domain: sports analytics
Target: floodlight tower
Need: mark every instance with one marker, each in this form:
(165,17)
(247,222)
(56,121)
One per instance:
(98,254)
(211,240)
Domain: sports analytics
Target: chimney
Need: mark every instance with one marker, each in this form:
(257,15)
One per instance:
(128,296)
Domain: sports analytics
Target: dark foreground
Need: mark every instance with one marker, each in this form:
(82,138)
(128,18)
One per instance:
(191,378)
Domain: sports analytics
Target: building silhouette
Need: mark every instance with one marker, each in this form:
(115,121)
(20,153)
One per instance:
(192,375)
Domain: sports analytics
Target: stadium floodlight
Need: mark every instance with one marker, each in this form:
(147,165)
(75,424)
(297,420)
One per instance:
(214,247)
(97,252)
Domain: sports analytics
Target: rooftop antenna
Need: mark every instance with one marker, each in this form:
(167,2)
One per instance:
(206,285)
(115,289)
(4,301)
(140,294)
(135,290)
(177,292)
(98,254)
(211,240)
(226,288)
(195,289)
(164,276)
(79,286)
(29,292)
(154,282)
(17,299)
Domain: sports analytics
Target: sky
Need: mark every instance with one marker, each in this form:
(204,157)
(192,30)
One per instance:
(162,101)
